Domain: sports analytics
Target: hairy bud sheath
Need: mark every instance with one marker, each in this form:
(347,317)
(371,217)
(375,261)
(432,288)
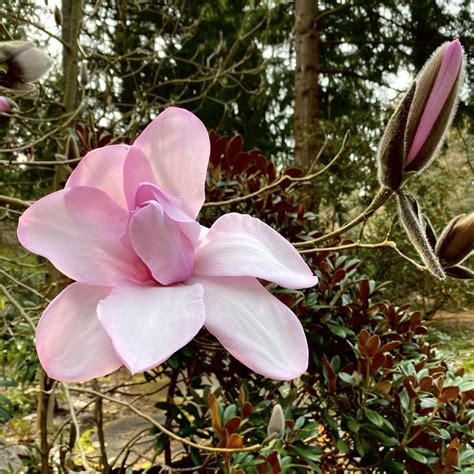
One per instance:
(22,63)
(417,128)
(416,232)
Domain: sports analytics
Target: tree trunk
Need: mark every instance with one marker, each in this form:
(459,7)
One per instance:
(71,27)
(307,92)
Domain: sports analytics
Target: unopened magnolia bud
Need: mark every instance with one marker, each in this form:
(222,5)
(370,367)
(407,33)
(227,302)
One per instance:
(84,74)
(457,240)
(417,236)
(72,149)
(276,425)
(418,127)
(6,104)
(58,17)
(23,63)
(434,104)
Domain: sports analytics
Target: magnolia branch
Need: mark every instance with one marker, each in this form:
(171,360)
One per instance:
(379,200)
(359,245)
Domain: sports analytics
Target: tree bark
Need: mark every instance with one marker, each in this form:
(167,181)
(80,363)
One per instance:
(71,28)
(307,91)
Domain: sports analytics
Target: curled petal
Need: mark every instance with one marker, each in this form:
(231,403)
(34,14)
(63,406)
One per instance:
(147,324)
(161,243)
(241,245)
(177,146)
(79,230)
(71,343)
(255,327)
(147,192)
(103,169)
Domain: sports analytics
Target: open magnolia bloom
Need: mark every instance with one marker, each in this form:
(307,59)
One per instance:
(148,276)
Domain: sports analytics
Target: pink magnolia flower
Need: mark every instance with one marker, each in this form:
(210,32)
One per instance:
(148,276)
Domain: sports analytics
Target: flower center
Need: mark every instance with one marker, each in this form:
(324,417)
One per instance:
(162,235)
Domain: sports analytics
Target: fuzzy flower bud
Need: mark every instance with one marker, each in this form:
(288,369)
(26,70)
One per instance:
(457,240)
(417,128)
(277,422)
(21,63)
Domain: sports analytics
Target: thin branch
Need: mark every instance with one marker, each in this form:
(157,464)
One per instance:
(379,200)
(84,461)
(18,306)
(285,177)
(164,430)
(16,202)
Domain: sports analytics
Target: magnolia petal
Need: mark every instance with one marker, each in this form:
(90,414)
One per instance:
(71,343)
(147,324)
(161,244)
(241,245)
(255,327)
(79,229)
(177,146)
(136,171)
(103,169)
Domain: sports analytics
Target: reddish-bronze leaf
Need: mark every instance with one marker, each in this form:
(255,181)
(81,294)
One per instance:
(232,424)
(361,340)
(448,394)
(389,346)
(235,441)
(247,409)
(425,383)
(372,345)
(377,362)
(452,453)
